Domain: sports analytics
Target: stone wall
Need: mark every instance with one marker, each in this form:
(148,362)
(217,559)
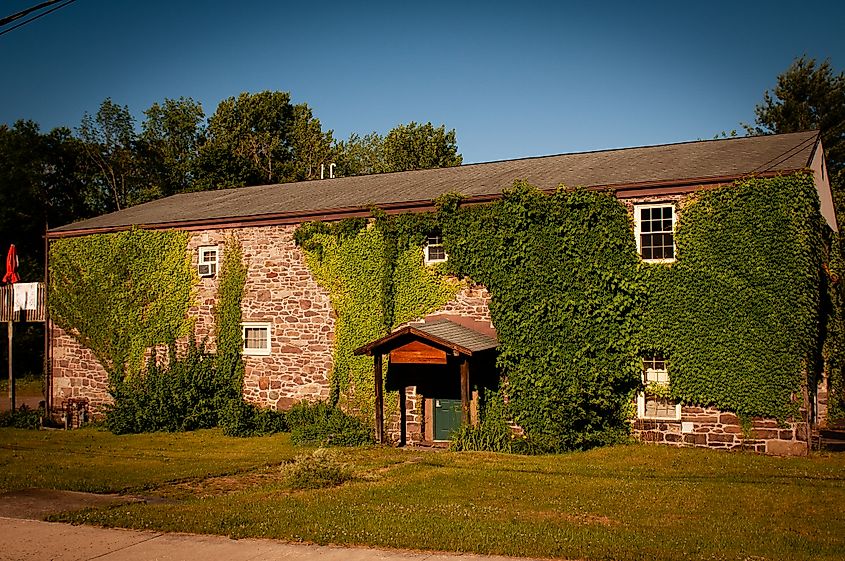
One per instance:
(76,372)
(709,428)
(279,290)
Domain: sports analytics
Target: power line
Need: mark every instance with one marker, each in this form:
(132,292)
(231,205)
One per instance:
(33,18)
(13,17)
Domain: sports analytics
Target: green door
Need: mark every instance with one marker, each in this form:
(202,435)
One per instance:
(447,418)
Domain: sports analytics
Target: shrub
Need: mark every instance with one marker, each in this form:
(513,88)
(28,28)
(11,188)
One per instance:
(242,419)
(22,418)
(491,434)
(186,393)
(326,425)
(317,470)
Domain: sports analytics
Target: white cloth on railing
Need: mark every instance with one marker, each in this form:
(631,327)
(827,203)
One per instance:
(26,296)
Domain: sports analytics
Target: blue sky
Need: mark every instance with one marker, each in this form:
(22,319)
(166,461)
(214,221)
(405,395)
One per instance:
(514,79)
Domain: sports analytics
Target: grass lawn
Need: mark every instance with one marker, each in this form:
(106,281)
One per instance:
(625,502)
(23,388)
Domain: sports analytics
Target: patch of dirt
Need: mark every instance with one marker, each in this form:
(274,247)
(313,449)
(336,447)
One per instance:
(37,504)
(585,519)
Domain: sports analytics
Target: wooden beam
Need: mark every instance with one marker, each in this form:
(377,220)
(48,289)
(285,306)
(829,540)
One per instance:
(465,391)
(379,386)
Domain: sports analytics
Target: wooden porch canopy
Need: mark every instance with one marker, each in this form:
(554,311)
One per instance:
(426,343)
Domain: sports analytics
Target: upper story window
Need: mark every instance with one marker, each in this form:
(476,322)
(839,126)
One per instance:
(433,250)
(654,402)
(207,261)
(256,337)
(654,227)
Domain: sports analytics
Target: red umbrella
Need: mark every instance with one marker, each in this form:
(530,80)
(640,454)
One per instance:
(11,266)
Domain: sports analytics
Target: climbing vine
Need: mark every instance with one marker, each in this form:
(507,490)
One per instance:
(376,280)
(227,313)
(834,345)
(119,294)
(563,274)
(738,314)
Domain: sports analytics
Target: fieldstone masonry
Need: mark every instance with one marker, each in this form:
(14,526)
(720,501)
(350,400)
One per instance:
(281,292)
(710,428)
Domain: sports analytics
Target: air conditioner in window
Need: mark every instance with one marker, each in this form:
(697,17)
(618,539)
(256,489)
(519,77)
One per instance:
(206,269)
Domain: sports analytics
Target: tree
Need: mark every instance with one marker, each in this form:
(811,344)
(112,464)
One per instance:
(110,144)
(808,95)
(310,147)
(416,146)
(406,147)
(170,141)
(39,186)
(247,141)
(359,155)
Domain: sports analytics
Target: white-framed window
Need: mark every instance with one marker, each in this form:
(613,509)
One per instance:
(256,337)
(654,403)
(207,261)
(654,228)
(433,250)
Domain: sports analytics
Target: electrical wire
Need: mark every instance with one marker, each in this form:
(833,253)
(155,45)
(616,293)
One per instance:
(9,19)
(33,18)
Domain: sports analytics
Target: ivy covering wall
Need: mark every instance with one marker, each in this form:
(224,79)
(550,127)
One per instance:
(562,272)
(119,294)
(738,316)
(376,280)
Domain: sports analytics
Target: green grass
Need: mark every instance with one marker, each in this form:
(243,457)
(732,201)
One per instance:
(625,502)
(93,459)
(26,387)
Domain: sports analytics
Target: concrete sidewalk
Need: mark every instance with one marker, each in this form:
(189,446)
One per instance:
(33,540)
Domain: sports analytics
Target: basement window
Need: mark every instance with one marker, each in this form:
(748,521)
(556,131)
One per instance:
(654,227)
(433,250)
(256,338)
(653,402)
(207,261)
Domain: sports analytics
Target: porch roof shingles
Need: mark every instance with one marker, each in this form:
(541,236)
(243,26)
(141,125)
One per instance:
(643,165)
(442,332)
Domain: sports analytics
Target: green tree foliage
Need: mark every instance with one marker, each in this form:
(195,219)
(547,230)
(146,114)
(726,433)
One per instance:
(110,144)
(171,136)
(404,148)
(311,147)
(262,138)
(417,146)
(119,294)
(562,272)
(39,187)
(808,95)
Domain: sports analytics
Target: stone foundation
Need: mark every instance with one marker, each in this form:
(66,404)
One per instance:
(710,428)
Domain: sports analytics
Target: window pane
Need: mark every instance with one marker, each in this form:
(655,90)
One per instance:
(255,337)
(436,252)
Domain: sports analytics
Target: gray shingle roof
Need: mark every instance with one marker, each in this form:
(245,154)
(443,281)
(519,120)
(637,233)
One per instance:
(654,165)
(444,332)
(459,335)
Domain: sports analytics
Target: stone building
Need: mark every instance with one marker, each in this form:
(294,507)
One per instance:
(289,324)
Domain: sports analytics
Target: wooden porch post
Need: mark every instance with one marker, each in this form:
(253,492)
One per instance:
(465,390)
(379,399)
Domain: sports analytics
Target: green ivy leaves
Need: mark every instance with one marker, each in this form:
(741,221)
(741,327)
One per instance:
(120,294)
